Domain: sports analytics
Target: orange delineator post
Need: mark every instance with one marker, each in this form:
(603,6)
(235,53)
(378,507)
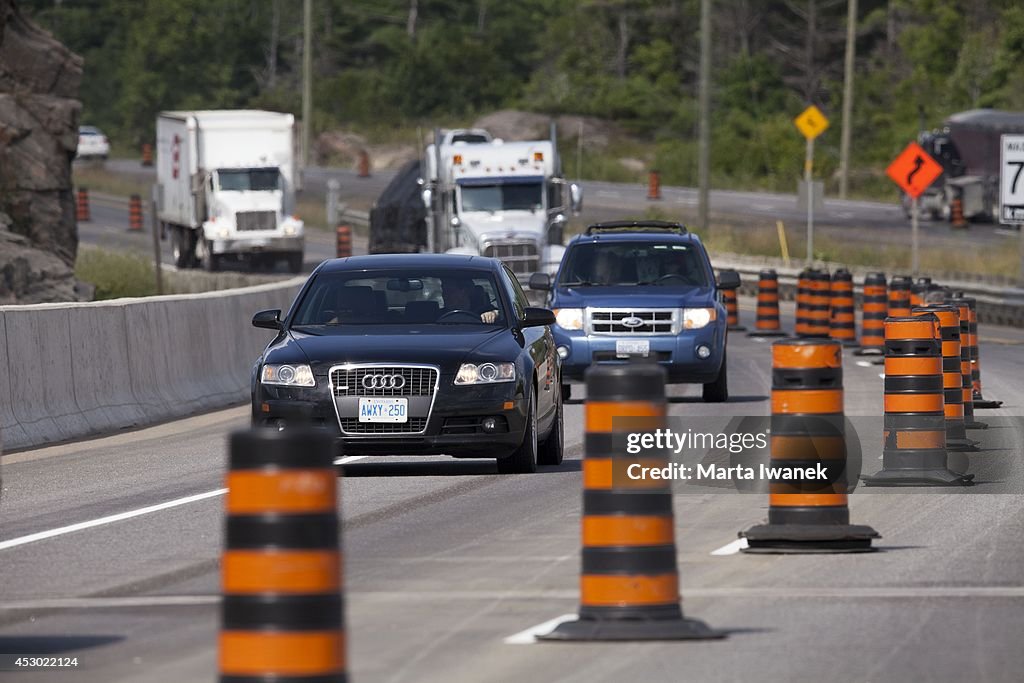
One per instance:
(654,185)
(82,214)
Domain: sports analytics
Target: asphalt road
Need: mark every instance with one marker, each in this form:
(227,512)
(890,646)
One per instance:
(445,560)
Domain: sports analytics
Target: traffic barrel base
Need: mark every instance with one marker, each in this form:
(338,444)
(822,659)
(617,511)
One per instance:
(807,431)
(914,432)
(629,583)
(796,539)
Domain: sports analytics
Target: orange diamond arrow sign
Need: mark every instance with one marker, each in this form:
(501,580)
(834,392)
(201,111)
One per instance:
(914,170)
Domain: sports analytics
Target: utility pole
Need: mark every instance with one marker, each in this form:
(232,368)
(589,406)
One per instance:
(307,78)
(704,103)
(844,136)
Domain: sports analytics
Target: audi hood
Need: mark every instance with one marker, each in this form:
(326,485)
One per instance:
(432,345)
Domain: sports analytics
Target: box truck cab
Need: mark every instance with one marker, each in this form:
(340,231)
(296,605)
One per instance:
(226,187)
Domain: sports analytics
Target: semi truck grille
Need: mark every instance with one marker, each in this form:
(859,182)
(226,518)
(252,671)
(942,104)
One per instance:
(625,321)
(521,257)
(384,381)
(256,220)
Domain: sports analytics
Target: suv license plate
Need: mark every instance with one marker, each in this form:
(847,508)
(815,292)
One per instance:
(383,410)
(633,347)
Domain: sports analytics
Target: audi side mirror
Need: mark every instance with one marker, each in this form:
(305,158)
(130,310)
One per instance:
(537,317)
(270,320)
(540,282)
(729,279)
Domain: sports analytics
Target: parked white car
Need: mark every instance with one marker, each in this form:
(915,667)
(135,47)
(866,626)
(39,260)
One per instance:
(92,143)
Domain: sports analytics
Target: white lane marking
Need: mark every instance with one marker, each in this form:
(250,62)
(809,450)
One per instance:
(731,548)
(529,636)
(864,364)
(762,207)
(606,193)
(687,201)
(348,459)
(99,603)
(109,519)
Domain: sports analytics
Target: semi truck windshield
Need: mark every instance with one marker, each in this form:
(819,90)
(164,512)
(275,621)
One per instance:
(504,197)
(249,179)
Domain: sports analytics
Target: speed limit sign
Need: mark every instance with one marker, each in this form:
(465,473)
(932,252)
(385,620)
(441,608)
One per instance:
(1011,180)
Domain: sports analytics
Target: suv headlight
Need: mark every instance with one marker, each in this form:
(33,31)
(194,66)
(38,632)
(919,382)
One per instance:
(696,318)
(485,373)
(569,318)
(288,375)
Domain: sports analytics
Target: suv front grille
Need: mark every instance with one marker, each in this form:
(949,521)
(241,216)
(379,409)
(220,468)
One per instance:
(256,220)
(651,321)
(417,381)
(521,257)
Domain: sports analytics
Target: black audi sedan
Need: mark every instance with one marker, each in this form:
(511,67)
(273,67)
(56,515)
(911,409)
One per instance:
(415,354)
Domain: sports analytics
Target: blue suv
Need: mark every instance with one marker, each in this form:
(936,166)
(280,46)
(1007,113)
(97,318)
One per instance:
(644,288)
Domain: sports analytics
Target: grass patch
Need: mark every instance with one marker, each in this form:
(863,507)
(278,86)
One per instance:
(115,274)
(98,179)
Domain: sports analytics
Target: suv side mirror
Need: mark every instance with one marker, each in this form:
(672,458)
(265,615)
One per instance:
(729,279)
(270,320)
(540,282)
(536,317)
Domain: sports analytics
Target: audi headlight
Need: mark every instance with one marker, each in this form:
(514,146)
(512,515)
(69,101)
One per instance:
(696,318)
(288,375)
(569,318)
(485,373)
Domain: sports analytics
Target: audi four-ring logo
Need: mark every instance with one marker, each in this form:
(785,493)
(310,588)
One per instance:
(383,381)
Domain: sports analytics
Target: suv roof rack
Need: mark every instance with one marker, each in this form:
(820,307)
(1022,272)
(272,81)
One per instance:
(636,226)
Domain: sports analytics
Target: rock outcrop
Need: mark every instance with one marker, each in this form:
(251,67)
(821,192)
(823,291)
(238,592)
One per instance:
(39,111)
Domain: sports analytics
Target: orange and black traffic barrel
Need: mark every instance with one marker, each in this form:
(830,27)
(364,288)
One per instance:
(732,309)
(768,323)
(842,320)
(808,513)
(818,304)
(979,400)
(965,362)
(629,583)
(135,213)
(82,213)
(914,429)
(282,611)
(654,185)
(918,290)
(899,297)
(147,154)
(952,379)
(803,298)
(343,241)
(874,309)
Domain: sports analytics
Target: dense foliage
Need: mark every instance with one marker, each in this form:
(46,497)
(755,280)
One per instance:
(401,62)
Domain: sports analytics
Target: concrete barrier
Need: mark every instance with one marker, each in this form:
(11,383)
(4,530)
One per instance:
(73,370)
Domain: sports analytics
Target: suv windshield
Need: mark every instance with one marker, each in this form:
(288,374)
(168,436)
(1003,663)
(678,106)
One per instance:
(504,197)
(461,299)
(255,179)
(630,263)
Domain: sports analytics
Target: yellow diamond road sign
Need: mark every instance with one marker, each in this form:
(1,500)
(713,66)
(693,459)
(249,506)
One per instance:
(811,122)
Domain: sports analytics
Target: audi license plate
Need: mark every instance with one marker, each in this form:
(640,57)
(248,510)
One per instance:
(632,347)
(383,410)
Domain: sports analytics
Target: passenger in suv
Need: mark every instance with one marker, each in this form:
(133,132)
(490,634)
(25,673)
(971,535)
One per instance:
(641,288)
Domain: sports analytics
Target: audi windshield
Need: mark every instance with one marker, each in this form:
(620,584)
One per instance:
(456,298)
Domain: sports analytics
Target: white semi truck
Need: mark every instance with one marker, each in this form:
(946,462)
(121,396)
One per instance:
(506,200)
(226,184)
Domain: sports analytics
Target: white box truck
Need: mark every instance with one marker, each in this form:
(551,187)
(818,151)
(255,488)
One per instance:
(226,185)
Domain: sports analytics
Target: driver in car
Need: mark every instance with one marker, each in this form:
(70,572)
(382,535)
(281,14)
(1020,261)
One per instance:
(458,296)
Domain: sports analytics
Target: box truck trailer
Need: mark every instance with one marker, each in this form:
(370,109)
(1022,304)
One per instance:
(226,185)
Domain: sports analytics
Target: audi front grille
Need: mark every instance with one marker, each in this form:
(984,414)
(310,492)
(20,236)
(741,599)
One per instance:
(418,383)
(624,321)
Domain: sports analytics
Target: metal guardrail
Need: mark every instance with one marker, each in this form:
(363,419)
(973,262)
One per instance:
(998,304)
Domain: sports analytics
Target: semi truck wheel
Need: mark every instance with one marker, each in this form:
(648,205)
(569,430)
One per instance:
(295,262)
(181,247)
